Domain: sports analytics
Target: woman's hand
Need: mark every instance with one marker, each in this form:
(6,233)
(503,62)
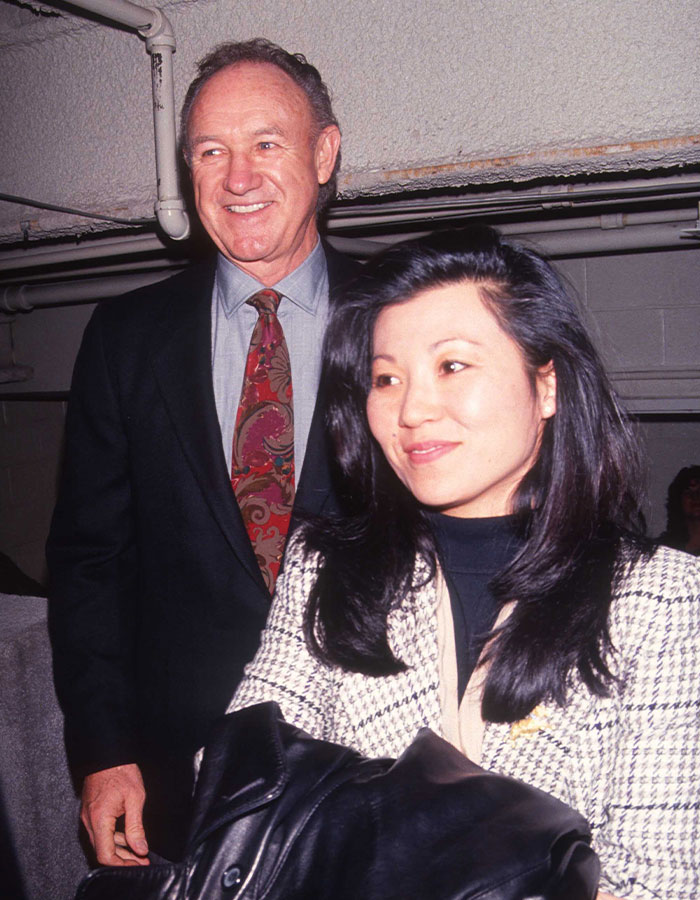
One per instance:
(603,896)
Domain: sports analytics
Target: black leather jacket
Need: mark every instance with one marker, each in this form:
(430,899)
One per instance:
(281,816)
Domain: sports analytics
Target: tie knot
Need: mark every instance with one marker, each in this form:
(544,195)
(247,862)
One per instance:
(265,301)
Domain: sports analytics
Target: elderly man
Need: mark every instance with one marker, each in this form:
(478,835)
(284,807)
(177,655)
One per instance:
(193,435)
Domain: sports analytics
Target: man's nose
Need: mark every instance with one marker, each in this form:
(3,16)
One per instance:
(418,404)
(241,174)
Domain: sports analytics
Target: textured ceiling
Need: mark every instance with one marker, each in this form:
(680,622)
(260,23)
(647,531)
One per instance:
(429,95)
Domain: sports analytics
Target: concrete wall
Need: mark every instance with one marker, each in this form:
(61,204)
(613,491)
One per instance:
(451,92)
(643,310)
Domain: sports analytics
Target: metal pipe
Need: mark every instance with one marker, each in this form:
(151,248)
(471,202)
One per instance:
(40,256)
(552,197)
(575,243)
(25,297)
(447,213)
(122,11)
(157,31)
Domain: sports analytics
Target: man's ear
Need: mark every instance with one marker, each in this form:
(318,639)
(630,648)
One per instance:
(326,152)
(547,390)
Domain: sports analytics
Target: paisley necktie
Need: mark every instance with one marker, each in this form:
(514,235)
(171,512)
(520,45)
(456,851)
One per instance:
(262,467)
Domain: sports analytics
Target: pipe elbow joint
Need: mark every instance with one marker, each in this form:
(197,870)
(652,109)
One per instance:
(14,299)
(173,219)
(159,33)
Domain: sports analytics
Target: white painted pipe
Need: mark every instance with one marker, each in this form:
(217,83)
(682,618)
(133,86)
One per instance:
(157,31)
(122,11)
(43,256)
(25,297)
(561,244)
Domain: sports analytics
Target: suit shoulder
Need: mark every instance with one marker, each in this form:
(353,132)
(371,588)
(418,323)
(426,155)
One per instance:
(134,310)
(657,600)
(342,269)
(663,573)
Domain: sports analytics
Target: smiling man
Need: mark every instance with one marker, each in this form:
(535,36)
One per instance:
(192,439)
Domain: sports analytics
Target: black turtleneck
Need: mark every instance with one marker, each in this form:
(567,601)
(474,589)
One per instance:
(472,552)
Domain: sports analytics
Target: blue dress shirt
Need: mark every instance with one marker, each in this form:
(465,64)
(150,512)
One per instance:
(302,312)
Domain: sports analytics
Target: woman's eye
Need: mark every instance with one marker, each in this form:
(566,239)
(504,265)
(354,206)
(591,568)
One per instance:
(450,366)
(380,381)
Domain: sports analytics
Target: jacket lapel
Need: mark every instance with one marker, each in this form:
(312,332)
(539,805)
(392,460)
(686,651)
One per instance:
(182,367)
(315,482)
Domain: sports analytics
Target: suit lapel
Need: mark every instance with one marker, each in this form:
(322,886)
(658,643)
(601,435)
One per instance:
(182,367)
(314,486)
(315,483)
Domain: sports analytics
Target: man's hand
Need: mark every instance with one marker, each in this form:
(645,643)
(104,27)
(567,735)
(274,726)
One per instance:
(107,795)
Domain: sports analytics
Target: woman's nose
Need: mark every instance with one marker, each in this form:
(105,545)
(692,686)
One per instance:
(419,404)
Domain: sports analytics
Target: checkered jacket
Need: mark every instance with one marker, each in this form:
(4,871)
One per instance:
(630,763)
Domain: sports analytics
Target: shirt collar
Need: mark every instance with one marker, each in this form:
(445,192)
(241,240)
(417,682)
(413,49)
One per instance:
(305,286)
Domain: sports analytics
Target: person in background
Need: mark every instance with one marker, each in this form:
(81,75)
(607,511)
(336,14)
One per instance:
(192,443)
(683,512)
(491,579)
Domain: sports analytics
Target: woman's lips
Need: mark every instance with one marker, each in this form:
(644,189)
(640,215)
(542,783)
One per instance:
(428,451)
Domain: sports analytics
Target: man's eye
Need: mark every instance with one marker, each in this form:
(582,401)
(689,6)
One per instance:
(266,145)
(210,151)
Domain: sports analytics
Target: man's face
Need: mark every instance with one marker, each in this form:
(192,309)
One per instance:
(256,167)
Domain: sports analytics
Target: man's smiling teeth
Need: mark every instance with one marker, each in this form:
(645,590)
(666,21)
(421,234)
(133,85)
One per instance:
(247,208)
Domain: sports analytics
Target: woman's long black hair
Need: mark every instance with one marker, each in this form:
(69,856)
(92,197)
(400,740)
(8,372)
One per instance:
(575,504)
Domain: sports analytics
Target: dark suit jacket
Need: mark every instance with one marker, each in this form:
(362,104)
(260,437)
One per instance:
(156,599)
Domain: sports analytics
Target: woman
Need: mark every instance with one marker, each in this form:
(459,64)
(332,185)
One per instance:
(490,480)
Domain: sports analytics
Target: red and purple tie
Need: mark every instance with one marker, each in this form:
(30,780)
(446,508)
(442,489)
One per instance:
(262,467)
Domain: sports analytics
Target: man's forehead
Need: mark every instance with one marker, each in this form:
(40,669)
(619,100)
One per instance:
(248,74)
(252,84)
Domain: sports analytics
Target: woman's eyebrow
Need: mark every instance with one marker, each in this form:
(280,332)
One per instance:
(460,338)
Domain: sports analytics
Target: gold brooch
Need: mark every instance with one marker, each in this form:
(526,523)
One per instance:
(537,721)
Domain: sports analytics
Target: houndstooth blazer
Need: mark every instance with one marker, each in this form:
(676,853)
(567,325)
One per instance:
(630,763)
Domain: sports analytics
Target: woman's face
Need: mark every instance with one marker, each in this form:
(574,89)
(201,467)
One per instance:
(452,403)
